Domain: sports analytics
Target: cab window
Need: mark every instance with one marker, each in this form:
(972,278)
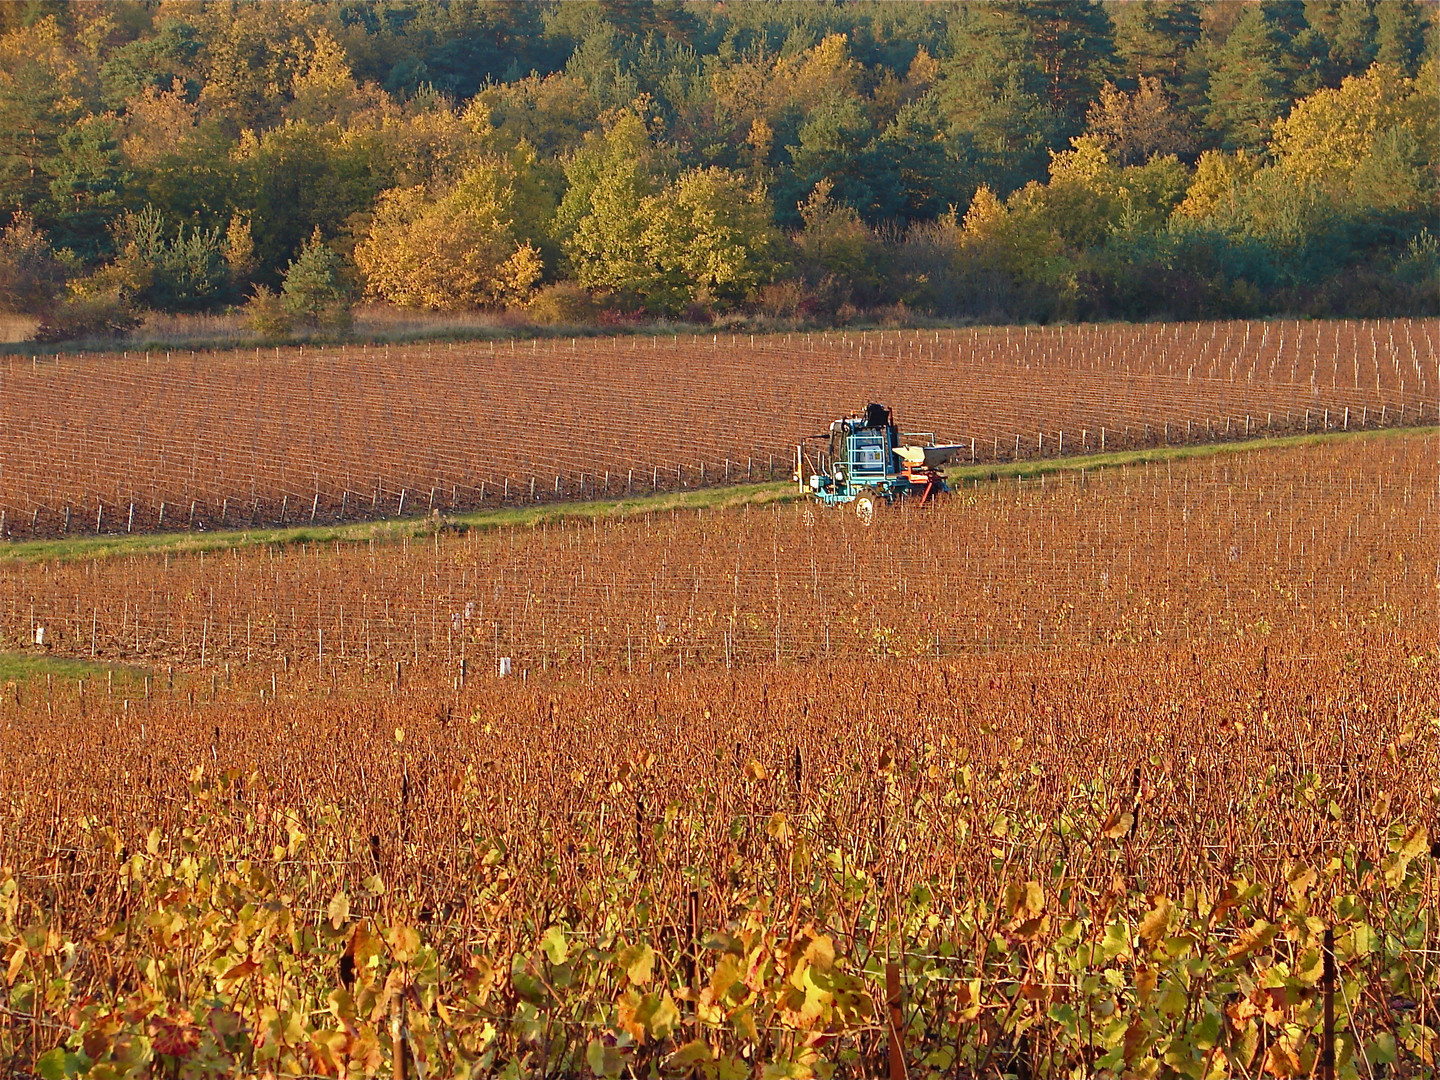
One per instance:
(869,453)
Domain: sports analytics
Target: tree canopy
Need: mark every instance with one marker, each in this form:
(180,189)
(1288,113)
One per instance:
(1125,158)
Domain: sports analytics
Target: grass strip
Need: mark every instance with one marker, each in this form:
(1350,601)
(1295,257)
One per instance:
(1157,454)
(16,667)
(711,498)
(192,543)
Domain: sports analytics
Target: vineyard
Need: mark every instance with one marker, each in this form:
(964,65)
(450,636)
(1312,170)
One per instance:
(1129,772)
(1304,539)
(114,444)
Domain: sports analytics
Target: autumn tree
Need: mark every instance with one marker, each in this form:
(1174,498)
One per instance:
(707,238)
(250,62)
(1217,182)
(465,248)
(600,219)
(1377,131)
(838,254)
(30,274)
(643,155)
(323,88)
(1137,126)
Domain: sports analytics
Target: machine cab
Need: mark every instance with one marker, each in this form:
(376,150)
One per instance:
(861,450)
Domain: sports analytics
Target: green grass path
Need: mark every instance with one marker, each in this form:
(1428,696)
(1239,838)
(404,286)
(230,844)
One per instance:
(30,666)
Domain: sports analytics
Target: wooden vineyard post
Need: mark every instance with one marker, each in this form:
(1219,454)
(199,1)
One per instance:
(894,1020)
(692,940)
(397,1037)
(1327,983)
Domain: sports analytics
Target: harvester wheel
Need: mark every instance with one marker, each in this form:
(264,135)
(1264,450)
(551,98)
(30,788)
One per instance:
(867,504)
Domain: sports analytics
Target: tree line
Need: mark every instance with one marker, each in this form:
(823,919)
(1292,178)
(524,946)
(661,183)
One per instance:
(1027,159)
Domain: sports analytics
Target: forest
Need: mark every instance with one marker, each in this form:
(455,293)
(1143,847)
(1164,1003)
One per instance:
(789,163)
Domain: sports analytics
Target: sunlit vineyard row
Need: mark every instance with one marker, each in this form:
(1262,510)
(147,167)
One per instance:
(106,444)
(1308,538)
(1134,772)
(1120,859)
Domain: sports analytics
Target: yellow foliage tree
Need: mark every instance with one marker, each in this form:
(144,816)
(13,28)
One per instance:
(1331,133)
(456,251)
(985,214)
(1218,178)
(708,237)
(1137,126)
(324,88)
(1082,201)
(828,67)
(1010,236)
(427,141)
(835,240)
(157,125)
(756,87)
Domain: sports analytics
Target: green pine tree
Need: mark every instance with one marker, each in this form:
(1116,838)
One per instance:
(87,190)
(1153,36)
(1399,34)
(1074,43)
(1247,86)
(315,291)
(1348,28)
(992,101)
